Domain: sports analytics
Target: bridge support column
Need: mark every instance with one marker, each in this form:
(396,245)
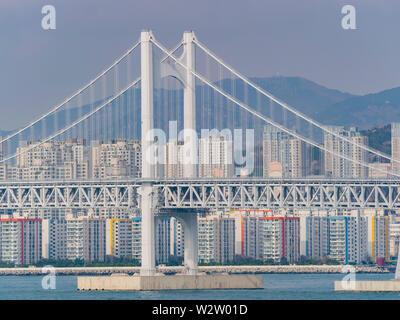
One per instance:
(191,257)
(148,244)
(189,103)
(147,82)
(189,219)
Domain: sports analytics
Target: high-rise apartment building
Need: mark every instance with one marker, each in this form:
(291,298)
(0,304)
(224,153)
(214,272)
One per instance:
(116,159)
(339,167)
(281,238)
(378,235)
(163,239)
(21,240)
(283,155)
(137,238)
(249,236)
(216,238)
(348,238)
(174,159)
(315,231)
(54,239)
(119,237)
(86,239)
(215,157)
(177,238)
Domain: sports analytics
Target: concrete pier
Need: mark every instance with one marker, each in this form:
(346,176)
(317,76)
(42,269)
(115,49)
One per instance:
(171,282)
(371,286)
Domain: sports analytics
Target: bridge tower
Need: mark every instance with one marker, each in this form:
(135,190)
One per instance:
(147,105)
(189,219)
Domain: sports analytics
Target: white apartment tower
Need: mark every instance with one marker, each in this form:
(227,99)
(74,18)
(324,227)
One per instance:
(339,167)
(280,148)
(86,239)
(216,156)
(54,239)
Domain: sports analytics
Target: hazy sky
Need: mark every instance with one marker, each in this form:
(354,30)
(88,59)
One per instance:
(258,37)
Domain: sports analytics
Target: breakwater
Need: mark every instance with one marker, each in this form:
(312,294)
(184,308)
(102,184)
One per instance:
(206,269)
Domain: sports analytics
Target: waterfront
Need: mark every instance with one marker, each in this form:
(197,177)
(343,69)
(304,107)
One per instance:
(238,269)
(276,287)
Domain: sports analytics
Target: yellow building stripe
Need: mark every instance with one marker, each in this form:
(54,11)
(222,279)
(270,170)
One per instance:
(112,236)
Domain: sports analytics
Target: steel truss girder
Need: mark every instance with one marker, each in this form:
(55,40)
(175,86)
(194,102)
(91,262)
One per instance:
(68,195)
(347,194)
(204,193)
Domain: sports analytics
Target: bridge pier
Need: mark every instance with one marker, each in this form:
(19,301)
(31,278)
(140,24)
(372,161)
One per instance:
(191,259)
(188,219)
(148,244)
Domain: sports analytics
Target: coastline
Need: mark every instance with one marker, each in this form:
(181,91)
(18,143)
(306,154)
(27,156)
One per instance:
(207,269)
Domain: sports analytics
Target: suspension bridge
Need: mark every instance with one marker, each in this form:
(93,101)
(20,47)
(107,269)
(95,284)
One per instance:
(148,87)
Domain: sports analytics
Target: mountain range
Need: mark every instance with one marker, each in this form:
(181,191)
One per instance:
(334,107)
(328,106)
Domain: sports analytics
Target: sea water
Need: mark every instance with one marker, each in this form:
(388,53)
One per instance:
(276,287)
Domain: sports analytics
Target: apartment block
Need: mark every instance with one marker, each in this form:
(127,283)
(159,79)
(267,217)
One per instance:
(249,234)
(49,160)
(378,236)
(281,238)
(283,155)
(216,238)
(137,238)
(116,159)
(316,234)
(21,240)
(177,238)
(174,159)
(86,239)
(348,239)
(340,167)
(119,238)
(215,156)
(163,239)
(54,239)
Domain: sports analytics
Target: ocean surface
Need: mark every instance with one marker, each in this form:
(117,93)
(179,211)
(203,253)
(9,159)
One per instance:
(276,287)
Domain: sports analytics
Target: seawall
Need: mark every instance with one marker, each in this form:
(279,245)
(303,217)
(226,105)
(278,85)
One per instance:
(206,269)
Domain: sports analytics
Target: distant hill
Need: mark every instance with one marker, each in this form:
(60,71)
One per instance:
(379,138)
(371,110)
(302,94)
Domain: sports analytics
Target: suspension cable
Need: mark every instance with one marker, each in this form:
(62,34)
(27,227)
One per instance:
(74,124)
(291,109)
(262,117)
(116,62)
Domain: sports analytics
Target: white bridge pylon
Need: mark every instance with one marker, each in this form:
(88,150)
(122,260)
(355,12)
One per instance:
(189,219)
